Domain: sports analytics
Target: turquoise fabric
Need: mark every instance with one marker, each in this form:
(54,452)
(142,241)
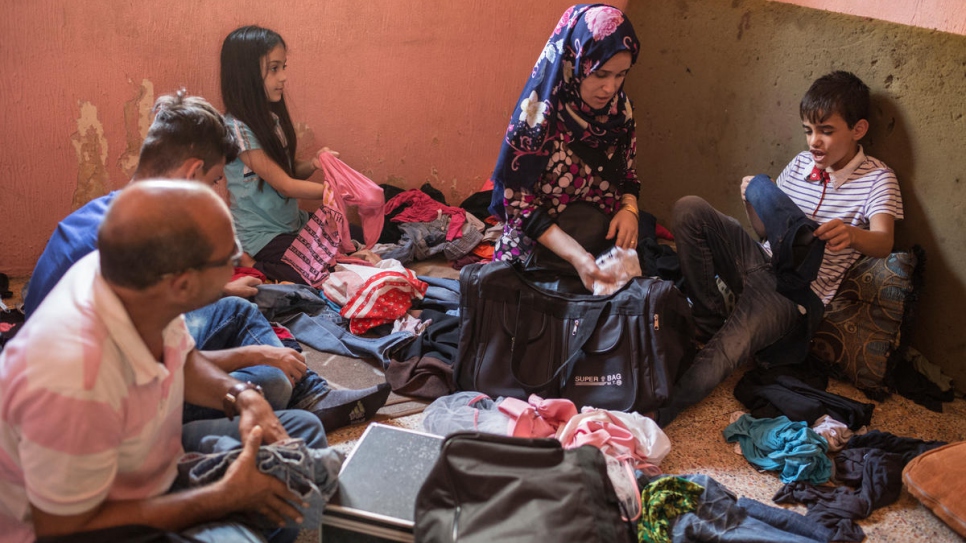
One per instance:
(259,215)
(782,445)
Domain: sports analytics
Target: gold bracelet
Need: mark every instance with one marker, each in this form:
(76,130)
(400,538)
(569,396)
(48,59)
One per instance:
(634,211)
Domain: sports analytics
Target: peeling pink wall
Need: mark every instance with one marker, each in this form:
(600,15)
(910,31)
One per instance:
(408,91)
(944,15)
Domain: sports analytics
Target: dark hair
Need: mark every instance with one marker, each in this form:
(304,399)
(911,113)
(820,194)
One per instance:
(138,255)
(184,127)
(243,92)
(838,92)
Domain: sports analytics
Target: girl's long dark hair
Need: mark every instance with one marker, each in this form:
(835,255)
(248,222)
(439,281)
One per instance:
(243,92)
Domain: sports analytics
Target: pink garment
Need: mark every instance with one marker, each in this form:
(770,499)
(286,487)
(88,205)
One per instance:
(355,189)
(537,417)
(425,209)
(319,242)
(624,436)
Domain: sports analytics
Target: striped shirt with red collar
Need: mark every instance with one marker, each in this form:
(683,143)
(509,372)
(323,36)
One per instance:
(863,188)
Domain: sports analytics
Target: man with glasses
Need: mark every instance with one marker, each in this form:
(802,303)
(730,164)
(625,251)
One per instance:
(94,383)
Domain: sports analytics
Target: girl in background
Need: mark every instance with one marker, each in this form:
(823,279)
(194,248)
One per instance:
(266,180)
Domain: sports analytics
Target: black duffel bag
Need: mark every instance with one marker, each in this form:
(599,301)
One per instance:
(621,352)
(486,487)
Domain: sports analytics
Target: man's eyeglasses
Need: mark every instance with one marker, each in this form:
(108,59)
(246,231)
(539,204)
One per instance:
(234,259)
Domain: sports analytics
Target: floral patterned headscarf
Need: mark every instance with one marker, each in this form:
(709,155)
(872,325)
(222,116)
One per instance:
(586,37)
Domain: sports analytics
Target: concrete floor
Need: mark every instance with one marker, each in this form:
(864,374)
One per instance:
(699,447)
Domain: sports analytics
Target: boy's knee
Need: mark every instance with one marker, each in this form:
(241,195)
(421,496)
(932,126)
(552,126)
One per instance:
(760,186)
(274,382)
(238,305)
(687,209)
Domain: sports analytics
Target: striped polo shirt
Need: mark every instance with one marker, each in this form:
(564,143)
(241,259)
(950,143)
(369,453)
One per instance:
(863,188)
(86,412)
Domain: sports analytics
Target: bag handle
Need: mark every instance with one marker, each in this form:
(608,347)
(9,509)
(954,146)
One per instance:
(582,330)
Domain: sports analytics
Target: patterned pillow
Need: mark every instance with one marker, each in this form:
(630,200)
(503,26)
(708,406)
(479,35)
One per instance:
(861,327)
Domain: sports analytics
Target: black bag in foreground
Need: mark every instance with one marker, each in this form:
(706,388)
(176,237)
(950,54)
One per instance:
(486,488)
(621,352)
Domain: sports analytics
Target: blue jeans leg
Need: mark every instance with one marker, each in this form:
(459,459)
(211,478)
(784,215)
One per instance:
(230,322)
(275,384)
(796,254)
(219,532)
(235,322)
(297,423)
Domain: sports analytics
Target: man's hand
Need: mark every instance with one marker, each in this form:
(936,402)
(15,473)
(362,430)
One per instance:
(623,226)
(255,411)
(288,360)
(243,287)
(837,234)
(248,489)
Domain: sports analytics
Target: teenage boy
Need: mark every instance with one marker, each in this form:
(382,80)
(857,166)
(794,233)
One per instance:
(853,200)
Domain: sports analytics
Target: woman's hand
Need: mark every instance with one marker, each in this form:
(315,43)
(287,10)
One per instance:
(624,226)
(590,273)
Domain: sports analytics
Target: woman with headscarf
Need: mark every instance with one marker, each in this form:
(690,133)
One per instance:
(571,139)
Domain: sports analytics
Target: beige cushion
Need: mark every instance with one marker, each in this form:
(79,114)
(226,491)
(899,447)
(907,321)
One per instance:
(937,478)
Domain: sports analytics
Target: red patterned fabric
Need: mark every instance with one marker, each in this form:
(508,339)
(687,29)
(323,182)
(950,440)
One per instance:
(383,298)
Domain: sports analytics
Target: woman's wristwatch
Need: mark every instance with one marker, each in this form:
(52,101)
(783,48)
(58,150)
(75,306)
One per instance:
(229,402)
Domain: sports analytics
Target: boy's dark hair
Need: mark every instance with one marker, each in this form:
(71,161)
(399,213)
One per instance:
(243,92)
(838,92)
(184,127)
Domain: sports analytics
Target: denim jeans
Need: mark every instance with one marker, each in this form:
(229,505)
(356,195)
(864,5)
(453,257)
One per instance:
(236,322)
(442,294)
(797,256)
(213,532)
(312,474)
(225,532)
(721,517)
(297,423)
(283,301)
(712,244)
(230,322)
(322,335)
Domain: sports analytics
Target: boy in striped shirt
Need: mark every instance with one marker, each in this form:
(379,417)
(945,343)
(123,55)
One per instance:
(853,198)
